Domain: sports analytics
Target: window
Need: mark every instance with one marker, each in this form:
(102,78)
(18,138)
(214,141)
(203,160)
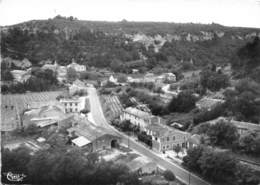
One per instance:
(168,138)
(173,138)
(65,104)
(70,104)
(71,110)
(167,146)
(76,104)
(76,110)
(156,138)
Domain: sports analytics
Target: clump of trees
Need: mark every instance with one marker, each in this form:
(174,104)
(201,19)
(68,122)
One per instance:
(241,102)
(142,136)
(212,80)
(218,166)
(207,115)
(72,167)
(221,133)
(184,102)
(40,80)
(250,143)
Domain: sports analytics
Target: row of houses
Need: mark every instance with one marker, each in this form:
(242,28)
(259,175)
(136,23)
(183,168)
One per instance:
(163,137)
(158,79)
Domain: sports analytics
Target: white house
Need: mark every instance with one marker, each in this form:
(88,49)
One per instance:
(77,67)
(73,105)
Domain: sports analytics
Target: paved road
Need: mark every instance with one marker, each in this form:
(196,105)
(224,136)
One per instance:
(99,118)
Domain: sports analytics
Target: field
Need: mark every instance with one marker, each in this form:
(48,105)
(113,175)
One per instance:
(113,106)
(20,101)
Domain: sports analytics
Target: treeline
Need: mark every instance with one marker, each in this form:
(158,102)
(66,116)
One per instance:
(73,167)
(93,48)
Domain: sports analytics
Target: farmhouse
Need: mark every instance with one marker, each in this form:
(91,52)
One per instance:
(137,117)
(95,138)
(165,138)
(77,67)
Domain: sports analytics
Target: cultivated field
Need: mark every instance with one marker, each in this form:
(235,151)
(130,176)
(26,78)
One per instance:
(20,101)
(113,106)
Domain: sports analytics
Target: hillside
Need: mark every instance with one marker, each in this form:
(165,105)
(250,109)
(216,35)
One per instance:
(98,44)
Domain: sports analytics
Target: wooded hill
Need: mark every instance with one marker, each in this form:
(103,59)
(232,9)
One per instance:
(96,43)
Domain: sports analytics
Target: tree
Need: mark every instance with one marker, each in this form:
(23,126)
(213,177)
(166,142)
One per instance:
(217,166)
(184,102)
(213,80)
(177,149)
(71,74)
(250,143)
(116,65)
(191,160)
(169,175)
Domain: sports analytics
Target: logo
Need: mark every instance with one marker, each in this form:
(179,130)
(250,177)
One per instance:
(15,177)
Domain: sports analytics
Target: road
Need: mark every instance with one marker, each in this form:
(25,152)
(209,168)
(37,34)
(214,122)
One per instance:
(99,118)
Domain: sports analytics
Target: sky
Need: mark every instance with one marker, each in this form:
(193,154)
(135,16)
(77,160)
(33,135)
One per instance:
(242,13)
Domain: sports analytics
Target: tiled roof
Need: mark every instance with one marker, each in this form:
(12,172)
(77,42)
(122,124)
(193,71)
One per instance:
(138,113)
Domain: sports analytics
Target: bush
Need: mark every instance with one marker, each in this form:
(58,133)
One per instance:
(169,175)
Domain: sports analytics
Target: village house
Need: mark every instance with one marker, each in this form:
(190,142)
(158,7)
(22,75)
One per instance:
(77,86)
(138,117)
(77,67)
(166,138)
(91,137)
(73,105)
(54,67)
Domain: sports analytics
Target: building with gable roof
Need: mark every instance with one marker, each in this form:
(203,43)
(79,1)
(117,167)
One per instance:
(165,138)
(98,137)
(138,117)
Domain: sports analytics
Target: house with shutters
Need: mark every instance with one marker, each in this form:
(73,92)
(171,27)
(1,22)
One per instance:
(138,117)
(165,138)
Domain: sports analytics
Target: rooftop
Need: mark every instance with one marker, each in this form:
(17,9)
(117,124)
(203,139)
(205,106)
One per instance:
(138,113)
(80,141)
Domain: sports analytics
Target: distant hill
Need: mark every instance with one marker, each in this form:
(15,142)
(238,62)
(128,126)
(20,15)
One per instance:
(97,43)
